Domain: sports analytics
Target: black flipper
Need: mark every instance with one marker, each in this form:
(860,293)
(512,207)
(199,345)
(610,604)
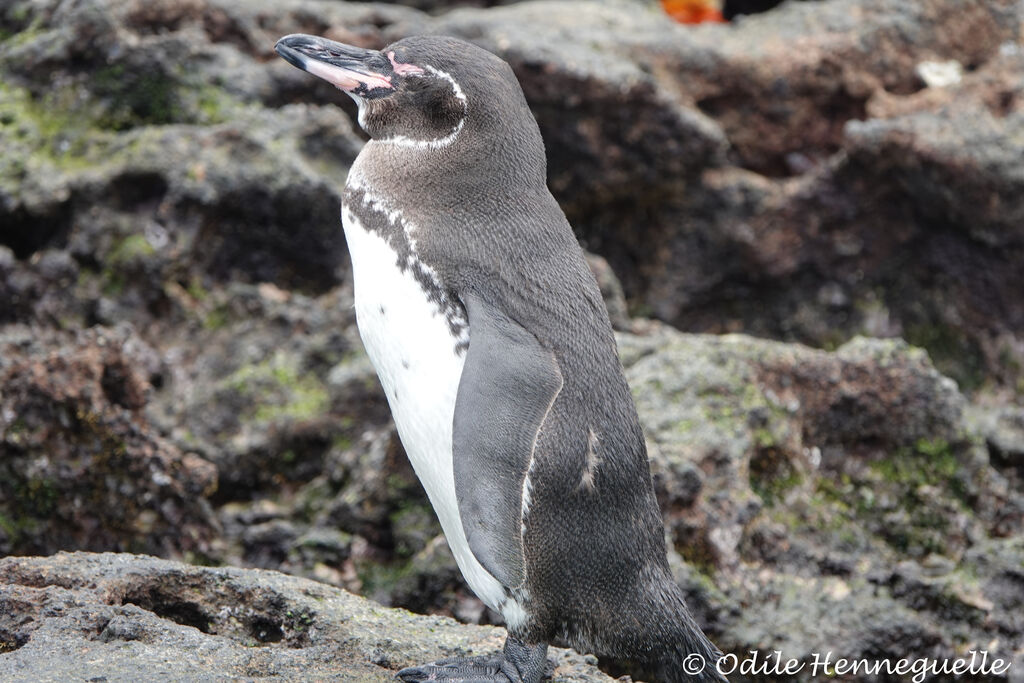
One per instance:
(509,383)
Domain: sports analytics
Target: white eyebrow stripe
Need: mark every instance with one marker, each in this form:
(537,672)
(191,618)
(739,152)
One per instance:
(448,77)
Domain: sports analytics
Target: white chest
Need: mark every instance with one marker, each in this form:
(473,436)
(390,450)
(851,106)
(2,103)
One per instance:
(409,340)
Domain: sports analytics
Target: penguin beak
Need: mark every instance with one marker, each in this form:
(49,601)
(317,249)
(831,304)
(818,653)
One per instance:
(352,69)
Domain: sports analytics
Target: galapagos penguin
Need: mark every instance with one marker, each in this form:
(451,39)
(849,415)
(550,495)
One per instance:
(494,349)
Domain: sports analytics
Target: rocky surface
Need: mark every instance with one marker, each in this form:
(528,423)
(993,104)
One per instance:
(132,617)
(786,473)
(80,467)
(180,373)
(795,193)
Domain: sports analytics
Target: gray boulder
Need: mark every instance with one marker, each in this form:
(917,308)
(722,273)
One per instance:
(80,466)
(131,617)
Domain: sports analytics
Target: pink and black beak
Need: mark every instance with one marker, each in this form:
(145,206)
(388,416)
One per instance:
(365,73)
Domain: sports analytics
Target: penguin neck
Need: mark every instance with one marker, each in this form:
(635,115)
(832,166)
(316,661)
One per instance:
(466,162)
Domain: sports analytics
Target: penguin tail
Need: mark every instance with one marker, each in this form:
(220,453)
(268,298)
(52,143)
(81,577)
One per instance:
(692,657)
(678,651)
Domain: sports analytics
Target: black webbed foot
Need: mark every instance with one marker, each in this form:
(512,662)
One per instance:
(518,663)
(465,670)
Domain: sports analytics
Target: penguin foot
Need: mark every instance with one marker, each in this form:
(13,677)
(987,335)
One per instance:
(464,670)
(518,663)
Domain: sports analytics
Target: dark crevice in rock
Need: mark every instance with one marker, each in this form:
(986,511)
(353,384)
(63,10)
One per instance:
(777,141)
(171,607)
(1004,103)
(27,232)
(266,630)
(733,8)
(115,383)
(9,641)
(136,190)
(265,620)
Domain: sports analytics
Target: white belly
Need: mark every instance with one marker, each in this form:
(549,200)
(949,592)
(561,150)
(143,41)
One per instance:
(410,344)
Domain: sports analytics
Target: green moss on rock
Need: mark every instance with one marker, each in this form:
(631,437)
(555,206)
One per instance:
(131,249)
(278,389)
(41,138)
(773,474)
(928,463)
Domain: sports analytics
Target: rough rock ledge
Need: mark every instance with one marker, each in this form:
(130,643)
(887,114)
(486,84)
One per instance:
(120,617)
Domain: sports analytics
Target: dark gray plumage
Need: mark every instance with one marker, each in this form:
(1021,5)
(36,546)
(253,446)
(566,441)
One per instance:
(550,470)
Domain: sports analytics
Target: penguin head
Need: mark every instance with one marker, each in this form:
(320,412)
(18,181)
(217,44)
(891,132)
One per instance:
(421,91)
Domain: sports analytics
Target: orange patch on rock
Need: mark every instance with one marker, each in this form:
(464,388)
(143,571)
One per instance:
(693,11)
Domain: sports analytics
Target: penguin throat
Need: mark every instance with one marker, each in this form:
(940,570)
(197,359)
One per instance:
(434,143)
